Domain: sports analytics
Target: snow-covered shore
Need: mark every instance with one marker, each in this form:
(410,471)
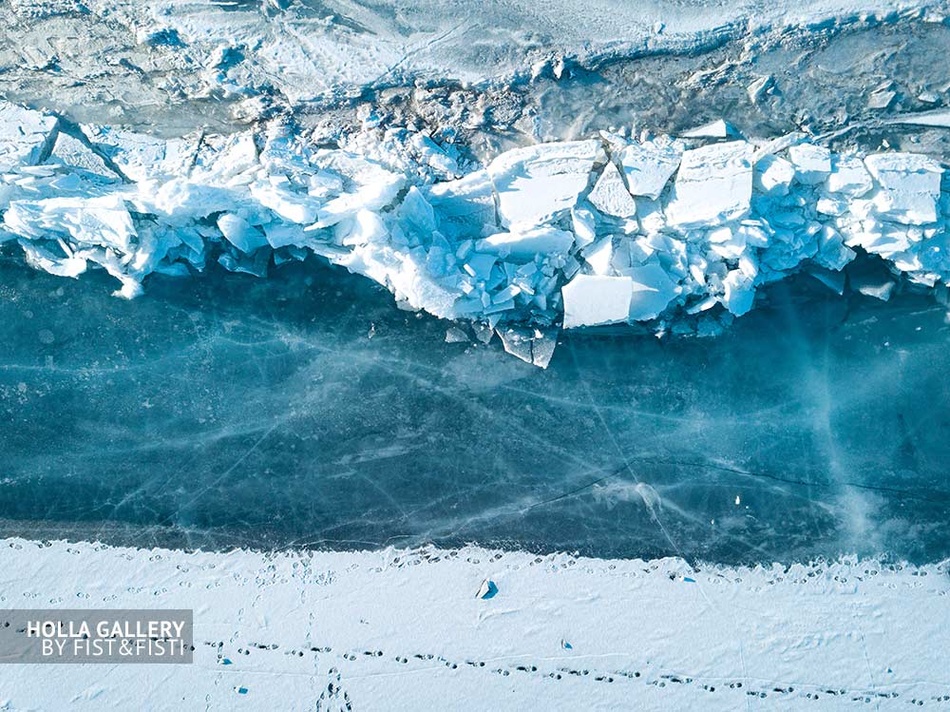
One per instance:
(406,630)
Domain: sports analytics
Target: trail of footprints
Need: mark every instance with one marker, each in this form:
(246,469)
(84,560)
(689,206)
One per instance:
(334,698)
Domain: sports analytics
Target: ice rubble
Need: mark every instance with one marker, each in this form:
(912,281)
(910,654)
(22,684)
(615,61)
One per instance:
(676,233)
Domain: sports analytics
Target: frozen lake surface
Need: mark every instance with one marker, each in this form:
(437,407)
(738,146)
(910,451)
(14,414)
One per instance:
(305,410)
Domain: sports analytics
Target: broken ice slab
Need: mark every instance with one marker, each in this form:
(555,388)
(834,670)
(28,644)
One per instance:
(714,185)
(910,186)
(240,233)
(849,176)
(652,290)
(100,220)
(773,175)
(465,206)
(531,345)
(590,300)
(139,156)
(25,136)
(610,196)
(74,153)
(648,166)
(812,163)
(714,129)
(939,118)
(536,183)
(526,245)
(275,193)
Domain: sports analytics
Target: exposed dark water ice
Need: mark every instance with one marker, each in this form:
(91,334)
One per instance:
(306,410)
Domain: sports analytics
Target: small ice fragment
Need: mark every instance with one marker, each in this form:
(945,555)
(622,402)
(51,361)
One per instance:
(240,233)
(483,332)
(610,196)
(487,590)
(738,501)
(928,97)
(881,99)
(714,129)
(534,346)
(479,265)
(583,223)
(758,88)
(592,300)
(714,185)
(454,335)
(649,166)
(881,291)
(739,293)
(598,256)
(812,163)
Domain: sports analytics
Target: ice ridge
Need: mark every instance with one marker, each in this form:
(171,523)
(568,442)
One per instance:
(675,233)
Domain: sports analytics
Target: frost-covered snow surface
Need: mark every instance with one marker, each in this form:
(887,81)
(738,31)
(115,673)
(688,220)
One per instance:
(564,355)
(409,630)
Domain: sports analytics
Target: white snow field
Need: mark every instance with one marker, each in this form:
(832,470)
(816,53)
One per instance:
(544,236)
(406,630)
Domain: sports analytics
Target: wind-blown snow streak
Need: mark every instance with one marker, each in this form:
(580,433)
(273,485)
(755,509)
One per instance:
(675,233)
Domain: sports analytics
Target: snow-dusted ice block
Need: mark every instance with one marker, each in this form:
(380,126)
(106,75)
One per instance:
(526,244)
(535,183)
(24,135)
(773,175)
(713,185)
(465,206)
(649,166)
(812,163)
(909,186)
(591,300)
(610,196)
(74,153)
(652,292)
(95,221)
(849,176)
